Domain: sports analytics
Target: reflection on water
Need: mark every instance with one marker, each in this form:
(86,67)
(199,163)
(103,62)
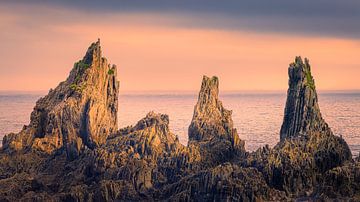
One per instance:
(257,117)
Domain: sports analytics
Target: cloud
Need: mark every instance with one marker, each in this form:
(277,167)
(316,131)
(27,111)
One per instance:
(155,42)
(334,18)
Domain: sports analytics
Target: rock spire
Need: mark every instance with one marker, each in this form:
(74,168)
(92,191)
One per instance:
(80,112)
(211,127)
(302,112)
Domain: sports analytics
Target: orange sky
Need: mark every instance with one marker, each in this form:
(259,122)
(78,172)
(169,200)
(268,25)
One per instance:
(156,55)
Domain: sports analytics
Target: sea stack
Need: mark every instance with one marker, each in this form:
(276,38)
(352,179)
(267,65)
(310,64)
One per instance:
(302,112)
(80,112)
(211,127)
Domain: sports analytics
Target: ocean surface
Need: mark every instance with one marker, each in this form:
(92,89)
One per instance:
(257,116)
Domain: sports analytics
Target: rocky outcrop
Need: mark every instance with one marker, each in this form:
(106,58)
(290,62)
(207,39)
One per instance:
(211,128)
(80,112)
(303,118)
(138,158)
(129,166)
(302,112)
(307,147)
(296,165)
(146,162)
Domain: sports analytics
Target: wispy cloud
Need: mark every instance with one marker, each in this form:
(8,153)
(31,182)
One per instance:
(336,18)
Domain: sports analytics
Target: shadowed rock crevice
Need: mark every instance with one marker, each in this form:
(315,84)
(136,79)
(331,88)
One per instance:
(84,126)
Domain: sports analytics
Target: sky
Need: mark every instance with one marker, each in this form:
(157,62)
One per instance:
(168,45)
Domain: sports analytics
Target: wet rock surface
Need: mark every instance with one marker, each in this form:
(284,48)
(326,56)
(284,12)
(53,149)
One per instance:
(73,151)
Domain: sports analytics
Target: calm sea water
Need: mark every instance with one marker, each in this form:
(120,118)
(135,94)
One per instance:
(257,116)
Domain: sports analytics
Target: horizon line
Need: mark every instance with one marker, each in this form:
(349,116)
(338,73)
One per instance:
(132,92)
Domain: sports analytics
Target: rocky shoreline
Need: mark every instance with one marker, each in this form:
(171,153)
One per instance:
(72,149)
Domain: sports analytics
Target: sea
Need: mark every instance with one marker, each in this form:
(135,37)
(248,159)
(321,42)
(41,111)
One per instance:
(256,115)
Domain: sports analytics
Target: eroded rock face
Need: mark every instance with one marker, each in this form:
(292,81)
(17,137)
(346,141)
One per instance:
(211,128)
(80,112)
(302,112)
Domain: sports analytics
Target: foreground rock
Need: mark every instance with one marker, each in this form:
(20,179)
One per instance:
(132,163)
(226,182)
(72,150)
(80,112)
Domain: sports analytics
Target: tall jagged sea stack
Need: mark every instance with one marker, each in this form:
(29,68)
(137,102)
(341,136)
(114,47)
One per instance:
(80,112)
(211,128)
(302,112)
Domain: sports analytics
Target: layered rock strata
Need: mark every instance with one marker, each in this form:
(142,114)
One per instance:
(302,112)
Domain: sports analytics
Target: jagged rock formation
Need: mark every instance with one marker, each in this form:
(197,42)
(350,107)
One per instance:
(146,162)
(134,161)
(302,112)
(303,118)
(307,147)
(132,164)
(296,165)
(211,128)
(80,112)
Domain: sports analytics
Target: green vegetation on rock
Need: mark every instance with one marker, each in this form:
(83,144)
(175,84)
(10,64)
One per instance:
(73,86)
(82,65)
(78,88)
(111,71)
(310,80)
(77,78)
